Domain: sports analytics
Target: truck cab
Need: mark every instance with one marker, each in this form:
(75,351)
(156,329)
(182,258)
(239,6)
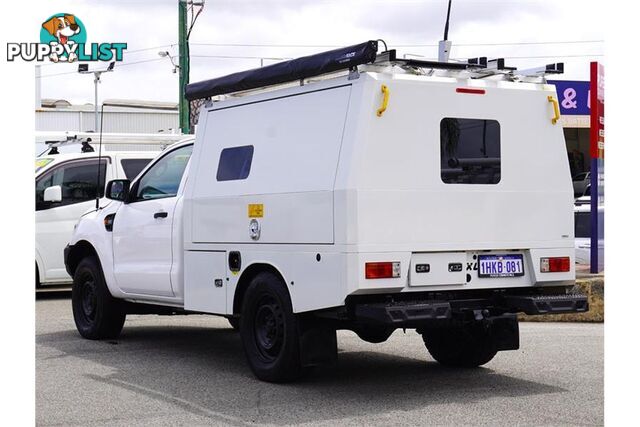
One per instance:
(391,194)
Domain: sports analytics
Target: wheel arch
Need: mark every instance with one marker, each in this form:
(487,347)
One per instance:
(40,268)
(245,279)
(77,252)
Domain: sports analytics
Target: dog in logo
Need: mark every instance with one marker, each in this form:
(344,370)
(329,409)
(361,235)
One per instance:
(62,28)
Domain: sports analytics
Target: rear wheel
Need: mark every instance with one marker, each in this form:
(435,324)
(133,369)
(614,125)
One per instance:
(463,346)
(269,330)
(97,314)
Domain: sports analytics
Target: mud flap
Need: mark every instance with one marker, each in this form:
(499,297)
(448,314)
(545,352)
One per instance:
(318,346)
(505,332)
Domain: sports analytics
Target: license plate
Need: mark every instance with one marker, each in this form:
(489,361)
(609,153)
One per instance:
(500,266)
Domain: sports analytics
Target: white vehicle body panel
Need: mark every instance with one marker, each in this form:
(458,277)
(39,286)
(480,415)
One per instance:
(295,184)
(341,186)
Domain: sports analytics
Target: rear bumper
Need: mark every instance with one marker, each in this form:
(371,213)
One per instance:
(413,312)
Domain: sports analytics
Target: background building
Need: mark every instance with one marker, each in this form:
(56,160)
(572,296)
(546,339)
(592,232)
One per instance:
(128,116)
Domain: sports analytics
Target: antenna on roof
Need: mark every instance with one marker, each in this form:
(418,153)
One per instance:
(444,46)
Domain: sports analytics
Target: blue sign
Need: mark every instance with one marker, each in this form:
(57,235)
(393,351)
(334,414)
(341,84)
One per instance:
(573,97)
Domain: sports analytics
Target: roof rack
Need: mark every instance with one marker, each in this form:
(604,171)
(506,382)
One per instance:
(72,139)
(286,71)
(348,58)
(54,140)
(390,56)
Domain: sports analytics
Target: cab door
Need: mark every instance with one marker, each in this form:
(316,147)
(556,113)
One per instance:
(143,227)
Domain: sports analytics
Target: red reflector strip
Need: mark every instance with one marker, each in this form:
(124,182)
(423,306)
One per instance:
(555,265)
(381,270)
(470,90)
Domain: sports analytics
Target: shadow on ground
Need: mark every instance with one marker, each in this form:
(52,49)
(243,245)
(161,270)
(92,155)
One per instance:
(203,371)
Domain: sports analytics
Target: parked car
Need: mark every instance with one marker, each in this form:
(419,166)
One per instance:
(582,214)
(580,183)
(65,189)
(371,200)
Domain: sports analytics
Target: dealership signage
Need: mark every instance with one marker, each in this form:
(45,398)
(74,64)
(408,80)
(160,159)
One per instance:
(574,97)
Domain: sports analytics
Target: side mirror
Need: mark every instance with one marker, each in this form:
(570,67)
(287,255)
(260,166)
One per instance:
(118,189)
(53,194)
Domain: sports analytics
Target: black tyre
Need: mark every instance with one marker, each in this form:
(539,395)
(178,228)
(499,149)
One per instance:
(269,330)
(97,314)
(461,346)
(374,335)
(234,322)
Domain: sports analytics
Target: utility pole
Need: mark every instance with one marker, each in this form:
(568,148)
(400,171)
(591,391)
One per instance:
(183,67)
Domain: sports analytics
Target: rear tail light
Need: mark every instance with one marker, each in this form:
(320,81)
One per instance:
(555,265)
(382,270)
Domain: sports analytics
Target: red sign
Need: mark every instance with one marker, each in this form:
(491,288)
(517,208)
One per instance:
(597,167)
(597,110)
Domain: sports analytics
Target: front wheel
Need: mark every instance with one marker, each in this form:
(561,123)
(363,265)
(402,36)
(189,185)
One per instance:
(461,346)
(269,330)
(97,314)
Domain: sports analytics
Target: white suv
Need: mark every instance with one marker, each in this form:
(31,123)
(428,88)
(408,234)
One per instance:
(65,190)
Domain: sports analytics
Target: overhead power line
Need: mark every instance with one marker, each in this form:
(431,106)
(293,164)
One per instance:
(164,46)
(125,64)
(120,64)
(397,45)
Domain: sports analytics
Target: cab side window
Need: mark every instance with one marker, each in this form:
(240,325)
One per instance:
(77,181)
(163,178)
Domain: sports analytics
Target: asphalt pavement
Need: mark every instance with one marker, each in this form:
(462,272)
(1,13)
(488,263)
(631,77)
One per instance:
(190,370)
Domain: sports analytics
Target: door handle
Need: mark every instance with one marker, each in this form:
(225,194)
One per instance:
(160,215)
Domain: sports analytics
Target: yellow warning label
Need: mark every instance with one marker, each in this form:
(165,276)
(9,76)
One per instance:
(256,210)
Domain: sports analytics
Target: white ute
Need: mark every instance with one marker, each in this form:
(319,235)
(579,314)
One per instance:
(345,190)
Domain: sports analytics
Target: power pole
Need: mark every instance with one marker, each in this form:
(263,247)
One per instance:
(183,69)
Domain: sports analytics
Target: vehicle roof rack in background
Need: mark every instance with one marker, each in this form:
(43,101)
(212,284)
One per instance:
(286,71)
(71,139)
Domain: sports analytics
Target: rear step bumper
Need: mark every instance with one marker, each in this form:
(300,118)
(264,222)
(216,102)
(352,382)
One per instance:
(412,314)
(555,304)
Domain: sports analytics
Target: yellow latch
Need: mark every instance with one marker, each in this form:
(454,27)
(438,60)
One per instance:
(385,100)
(556,109)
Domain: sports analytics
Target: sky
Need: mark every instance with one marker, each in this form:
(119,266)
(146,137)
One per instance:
(526,33)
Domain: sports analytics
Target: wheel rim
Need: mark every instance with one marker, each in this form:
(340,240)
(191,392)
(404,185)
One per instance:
(89,300)
(269,328)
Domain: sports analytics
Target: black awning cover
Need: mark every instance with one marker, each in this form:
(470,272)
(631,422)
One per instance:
(295,69)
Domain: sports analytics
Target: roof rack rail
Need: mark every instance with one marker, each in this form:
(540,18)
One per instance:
(557,68)
(71,139)
(499,65)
